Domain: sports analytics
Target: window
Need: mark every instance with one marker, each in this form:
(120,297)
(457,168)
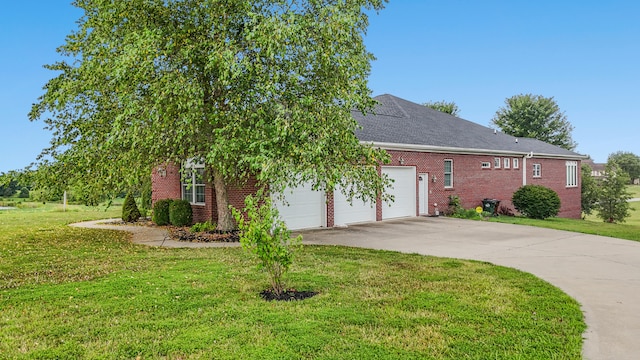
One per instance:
(193,184)
(507,163)
(516,163)
(537,171)
(486,165)
(496,163)
(572,173)
(448,173)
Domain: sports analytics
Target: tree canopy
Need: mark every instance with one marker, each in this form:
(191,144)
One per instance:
(628,162)
(613,197)
(448,107)
(535,116)
(258,87)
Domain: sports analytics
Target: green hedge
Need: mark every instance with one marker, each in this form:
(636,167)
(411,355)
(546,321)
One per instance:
(536,202)
(161,212)
(180,213)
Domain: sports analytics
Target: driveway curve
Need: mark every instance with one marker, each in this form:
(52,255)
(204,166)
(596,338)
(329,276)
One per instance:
(601,273)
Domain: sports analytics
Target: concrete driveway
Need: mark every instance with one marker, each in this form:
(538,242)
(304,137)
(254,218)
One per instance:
(602,273)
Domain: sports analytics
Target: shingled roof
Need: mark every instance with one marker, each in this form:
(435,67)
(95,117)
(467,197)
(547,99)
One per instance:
(396,123)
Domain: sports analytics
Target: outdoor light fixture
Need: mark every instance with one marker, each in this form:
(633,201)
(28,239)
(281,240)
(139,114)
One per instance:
(401,160)
(161,171)
(433,178)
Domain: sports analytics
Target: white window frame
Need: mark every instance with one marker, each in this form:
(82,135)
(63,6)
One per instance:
(485,165)
(450,173)
(572,173)
(537,171)
(496,163)
(189,184)
(506,163)
(516,163)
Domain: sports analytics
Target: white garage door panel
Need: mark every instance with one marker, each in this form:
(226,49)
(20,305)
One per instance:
(305,207)
(404,191)
(357,212)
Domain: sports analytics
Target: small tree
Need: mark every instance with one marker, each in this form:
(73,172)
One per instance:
(613,200)
(536,202)
(267,236)
(444,106)
(589,191)
(130,212)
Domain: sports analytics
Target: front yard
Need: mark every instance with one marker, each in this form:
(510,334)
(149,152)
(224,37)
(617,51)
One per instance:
(80,293)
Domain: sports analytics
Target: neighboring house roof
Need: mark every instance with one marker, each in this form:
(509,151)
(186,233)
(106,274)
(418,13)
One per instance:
(399,124)
(597,169)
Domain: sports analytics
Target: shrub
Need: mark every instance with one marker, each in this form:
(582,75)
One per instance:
(161,212)
(130,212)
(180,213)
(536,202)
(202,227)
(267,236)
(454,205)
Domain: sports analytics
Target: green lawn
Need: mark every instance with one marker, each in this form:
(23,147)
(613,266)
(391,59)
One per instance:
(629,230)
(634,190)
(68,293)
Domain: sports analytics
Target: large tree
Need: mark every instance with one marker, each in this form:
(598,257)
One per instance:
(628,162)
(251,87)
(535,116)
(449,107)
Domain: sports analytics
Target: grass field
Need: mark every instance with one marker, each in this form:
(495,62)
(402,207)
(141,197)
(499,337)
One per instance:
(69,293)
(629,230)
(634,190)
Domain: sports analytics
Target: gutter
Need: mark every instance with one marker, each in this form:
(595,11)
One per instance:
(468,151)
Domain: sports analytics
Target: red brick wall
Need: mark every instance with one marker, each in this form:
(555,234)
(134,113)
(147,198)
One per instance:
(165,183)
(235,194)
(168,187)
(471,183)
(553,175)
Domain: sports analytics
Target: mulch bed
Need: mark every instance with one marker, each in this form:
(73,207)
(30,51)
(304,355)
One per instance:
(140,222)
(287,295)
(185,234)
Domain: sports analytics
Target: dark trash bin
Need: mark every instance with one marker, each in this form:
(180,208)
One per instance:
(491,206)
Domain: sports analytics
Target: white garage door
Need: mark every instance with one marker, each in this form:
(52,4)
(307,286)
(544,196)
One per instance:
(356,212)
(305,209)
(404,191)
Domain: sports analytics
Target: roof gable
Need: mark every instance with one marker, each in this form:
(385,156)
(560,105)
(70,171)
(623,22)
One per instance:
(401,122)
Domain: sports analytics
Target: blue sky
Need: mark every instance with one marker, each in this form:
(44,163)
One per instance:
(585,54)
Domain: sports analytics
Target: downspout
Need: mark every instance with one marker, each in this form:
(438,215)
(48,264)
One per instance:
(524,167)
(524,170)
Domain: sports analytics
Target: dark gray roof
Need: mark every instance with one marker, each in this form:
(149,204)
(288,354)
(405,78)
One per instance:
(398,121)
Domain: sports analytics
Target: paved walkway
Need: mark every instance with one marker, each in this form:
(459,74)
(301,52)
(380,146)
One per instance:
(150,236)
(602,273)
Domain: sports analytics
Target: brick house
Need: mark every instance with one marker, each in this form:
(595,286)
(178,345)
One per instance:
(433,156)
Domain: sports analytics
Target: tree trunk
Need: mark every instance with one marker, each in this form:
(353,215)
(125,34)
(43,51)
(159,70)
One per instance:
(225,218)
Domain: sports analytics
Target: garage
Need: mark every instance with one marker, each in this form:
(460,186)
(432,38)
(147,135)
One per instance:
(306,207)
(356,212)
(404,191)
